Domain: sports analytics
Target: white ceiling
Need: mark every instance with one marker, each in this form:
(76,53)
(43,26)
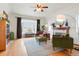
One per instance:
(53,9)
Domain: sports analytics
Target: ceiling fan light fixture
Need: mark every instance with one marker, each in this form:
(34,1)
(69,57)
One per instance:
(40,7)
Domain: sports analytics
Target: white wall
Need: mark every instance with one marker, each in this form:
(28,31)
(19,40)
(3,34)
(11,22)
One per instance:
(72,31)
(5,7)
(11,18)
(13,24)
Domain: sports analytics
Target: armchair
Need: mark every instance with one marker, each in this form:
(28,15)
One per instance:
(65,42)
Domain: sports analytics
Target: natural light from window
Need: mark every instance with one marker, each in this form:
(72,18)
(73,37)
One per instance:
(29,26)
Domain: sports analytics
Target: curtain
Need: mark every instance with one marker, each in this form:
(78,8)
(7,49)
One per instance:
(19,28)
(38,25)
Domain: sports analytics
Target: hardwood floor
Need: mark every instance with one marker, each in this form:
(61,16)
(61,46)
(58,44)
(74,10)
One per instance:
(62,53)
(17,48)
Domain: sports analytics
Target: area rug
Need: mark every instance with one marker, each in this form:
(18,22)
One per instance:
(35,49)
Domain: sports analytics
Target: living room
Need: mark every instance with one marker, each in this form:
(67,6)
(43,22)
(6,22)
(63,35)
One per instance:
(37,17)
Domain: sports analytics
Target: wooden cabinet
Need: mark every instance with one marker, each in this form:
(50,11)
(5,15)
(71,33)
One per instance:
(3,30)
(2,34)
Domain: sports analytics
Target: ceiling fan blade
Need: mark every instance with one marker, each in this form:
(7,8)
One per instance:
(45,7)
(38,5)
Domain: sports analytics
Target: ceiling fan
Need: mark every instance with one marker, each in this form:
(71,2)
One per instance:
(40,7)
